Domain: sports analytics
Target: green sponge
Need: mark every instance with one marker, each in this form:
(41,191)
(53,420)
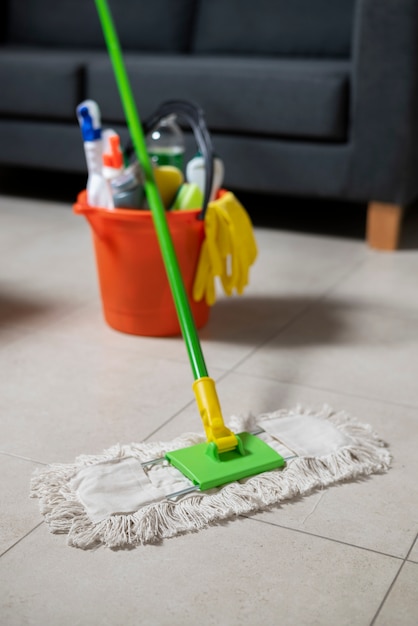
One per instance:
(189,196)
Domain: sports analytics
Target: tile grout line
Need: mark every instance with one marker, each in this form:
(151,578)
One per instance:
(314,302)
(336,391)
(275,334)
(185,406)
(22,458)
(391,586)
(311,534)
(21,539)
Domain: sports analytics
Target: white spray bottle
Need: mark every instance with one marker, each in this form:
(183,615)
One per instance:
(88,115)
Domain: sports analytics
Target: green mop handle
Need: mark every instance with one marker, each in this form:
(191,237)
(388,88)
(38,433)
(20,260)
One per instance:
(184,313)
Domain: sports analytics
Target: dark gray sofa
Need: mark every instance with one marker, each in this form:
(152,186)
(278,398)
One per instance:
(302,97)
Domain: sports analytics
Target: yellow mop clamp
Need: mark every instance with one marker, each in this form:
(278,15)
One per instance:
(226,456)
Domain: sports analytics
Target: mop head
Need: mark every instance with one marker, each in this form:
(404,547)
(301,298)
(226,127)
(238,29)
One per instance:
(111,500)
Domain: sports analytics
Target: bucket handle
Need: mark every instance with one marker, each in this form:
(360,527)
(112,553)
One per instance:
(192,114)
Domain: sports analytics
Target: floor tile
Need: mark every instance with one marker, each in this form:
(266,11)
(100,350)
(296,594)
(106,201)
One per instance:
(61,398)
(18,514)
(344,348)
(378,513)
(292,265)
(323,320)
(401,606)
(272,575)
(383,281)
(235,328)
(47,270)
(23,220)
(25,308)
(59,263)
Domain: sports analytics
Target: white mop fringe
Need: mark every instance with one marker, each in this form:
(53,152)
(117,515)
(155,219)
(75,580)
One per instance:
(63,513)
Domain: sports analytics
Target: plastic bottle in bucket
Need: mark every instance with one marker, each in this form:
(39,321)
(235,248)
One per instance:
(165,143)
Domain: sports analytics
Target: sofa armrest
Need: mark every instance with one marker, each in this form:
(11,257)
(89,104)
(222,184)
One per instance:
(384,98)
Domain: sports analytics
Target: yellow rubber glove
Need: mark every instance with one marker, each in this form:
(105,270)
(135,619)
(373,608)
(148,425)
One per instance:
(210,260)
(243,247)
(228,251)
(204,282)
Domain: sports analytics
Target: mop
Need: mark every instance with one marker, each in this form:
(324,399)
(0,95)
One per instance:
(141,493)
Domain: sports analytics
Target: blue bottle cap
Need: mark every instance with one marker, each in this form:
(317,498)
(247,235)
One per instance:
(89,131)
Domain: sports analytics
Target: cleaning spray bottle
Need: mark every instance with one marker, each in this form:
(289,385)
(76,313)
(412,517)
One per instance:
(88,115)
(112,164)
(165,143)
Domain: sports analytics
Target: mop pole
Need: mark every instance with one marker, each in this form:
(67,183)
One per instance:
(204,386)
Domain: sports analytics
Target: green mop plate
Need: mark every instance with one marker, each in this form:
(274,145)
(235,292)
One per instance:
(205,468)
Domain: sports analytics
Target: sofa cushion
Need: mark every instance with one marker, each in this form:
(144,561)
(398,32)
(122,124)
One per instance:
(270,27)
(160,25)
(271,97)
(39,84)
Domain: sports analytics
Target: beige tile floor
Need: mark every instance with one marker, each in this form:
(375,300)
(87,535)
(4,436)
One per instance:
(325,320)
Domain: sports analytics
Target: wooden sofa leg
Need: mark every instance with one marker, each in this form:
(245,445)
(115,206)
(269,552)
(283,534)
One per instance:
(383,225)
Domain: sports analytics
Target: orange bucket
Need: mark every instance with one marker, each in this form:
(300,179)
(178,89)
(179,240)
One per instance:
(135,292)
